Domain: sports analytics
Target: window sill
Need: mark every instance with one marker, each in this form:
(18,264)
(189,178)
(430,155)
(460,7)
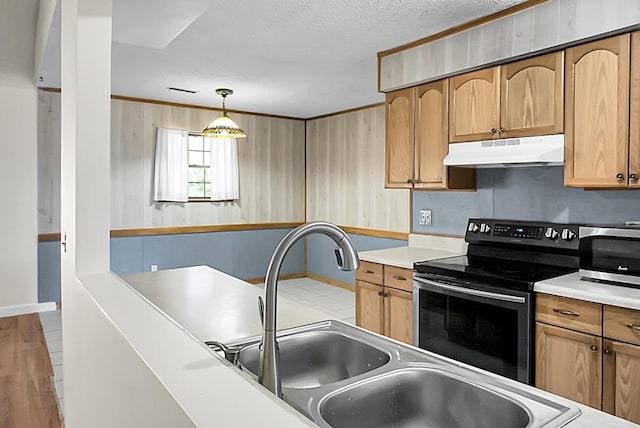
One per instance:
(210,200)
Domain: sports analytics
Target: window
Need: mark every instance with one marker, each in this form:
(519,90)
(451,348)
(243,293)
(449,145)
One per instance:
(191,167)
(199,167)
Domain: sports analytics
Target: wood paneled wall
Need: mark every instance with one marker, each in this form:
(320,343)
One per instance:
(544,26)
(345,173)
(271,168)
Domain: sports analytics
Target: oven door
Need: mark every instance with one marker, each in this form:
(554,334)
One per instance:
(486,327)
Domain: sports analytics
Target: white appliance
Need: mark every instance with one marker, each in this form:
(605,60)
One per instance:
(546,150)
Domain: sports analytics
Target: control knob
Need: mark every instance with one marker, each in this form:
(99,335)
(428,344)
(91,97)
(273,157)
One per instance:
(473,227)
(485,228)
(568,235)
(551,233)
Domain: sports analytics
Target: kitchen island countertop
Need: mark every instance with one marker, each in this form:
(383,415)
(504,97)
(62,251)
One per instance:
(226,307)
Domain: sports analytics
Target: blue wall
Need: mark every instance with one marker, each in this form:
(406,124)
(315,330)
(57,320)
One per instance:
(321,259)
(510,193)
(524,194)
(243,254)
(49,271)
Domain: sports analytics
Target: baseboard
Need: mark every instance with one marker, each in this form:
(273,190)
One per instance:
(280,278)
(340,284)
(10,311)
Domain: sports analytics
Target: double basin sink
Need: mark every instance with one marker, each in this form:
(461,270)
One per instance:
(341,376)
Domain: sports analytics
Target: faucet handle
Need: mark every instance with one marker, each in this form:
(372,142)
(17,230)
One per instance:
(261,310)
(231,353)
(339,257)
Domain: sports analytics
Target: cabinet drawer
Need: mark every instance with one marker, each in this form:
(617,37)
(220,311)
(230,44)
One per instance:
(622,324)
(398,278)
(569,313)
(370,272)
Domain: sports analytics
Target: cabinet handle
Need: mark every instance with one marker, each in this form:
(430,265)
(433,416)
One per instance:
(607,351)
(385,294)
(399,278)
(568,313)
(494,130)
(594,348)
(367,271)
(634,327)
(633,177)
(620,177)
(502,130)
(380,293)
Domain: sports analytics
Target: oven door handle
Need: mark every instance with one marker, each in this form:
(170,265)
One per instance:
(473,291)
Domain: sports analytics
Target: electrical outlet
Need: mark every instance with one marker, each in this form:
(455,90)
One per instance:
(425,217)
(154,268)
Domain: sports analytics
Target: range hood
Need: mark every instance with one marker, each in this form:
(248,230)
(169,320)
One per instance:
(546,150)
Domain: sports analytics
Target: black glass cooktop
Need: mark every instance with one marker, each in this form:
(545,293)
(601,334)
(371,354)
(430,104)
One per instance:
(514,274)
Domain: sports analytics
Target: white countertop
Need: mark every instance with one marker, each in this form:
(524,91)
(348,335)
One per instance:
(209,304)
(421,247)
(212,305)
(572,286)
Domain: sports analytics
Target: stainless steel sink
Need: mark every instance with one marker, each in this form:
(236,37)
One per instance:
(339,375)
(421,397)
(315,358)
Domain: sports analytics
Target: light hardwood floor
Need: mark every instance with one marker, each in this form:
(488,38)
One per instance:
(27,394)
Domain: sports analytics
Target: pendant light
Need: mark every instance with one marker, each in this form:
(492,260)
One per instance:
(223,126)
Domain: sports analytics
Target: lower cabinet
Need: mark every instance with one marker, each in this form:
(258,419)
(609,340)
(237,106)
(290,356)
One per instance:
(384,300)
(569,363)
(598,366)
(621,388)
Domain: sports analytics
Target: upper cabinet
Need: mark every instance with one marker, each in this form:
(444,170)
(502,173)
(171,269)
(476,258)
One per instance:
(597,144)
(521,99)
(399,156)
(474,112)
(634,113)
(531,97)
(417,140)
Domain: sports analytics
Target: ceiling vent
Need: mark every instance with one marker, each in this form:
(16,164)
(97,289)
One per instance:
(184,91)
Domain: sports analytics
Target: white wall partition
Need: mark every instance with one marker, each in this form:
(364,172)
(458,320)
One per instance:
(18,196)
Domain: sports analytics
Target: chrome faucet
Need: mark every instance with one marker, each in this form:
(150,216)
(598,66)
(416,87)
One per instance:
(347,259)
(231,353)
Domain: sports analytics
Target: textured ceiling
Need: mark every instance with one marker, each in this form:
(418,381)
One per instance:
(300,58)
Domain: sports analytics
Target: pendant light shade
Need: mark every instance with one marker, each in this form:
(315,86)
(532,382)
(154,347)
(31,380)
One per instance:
(223,126)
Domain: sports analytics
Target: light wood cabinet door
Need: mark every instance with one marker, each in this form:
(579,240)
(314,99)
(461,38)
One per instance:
(597,113)
(634,113)
(532,96)
(474,105)
(370,306)
(569,364)
(398,314)
(621,388)
(432,141)
(399,125)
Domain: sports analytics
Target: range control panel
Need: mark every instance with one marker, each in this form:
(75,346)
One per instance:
(539,234)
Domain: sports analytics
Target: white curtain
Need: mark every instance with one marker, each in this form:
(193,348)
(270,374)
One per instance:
(225,184)
(171,176)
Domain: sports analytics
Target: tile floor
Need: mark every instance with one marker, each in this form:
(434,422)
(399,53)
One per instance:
(334,301)
(52,328)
